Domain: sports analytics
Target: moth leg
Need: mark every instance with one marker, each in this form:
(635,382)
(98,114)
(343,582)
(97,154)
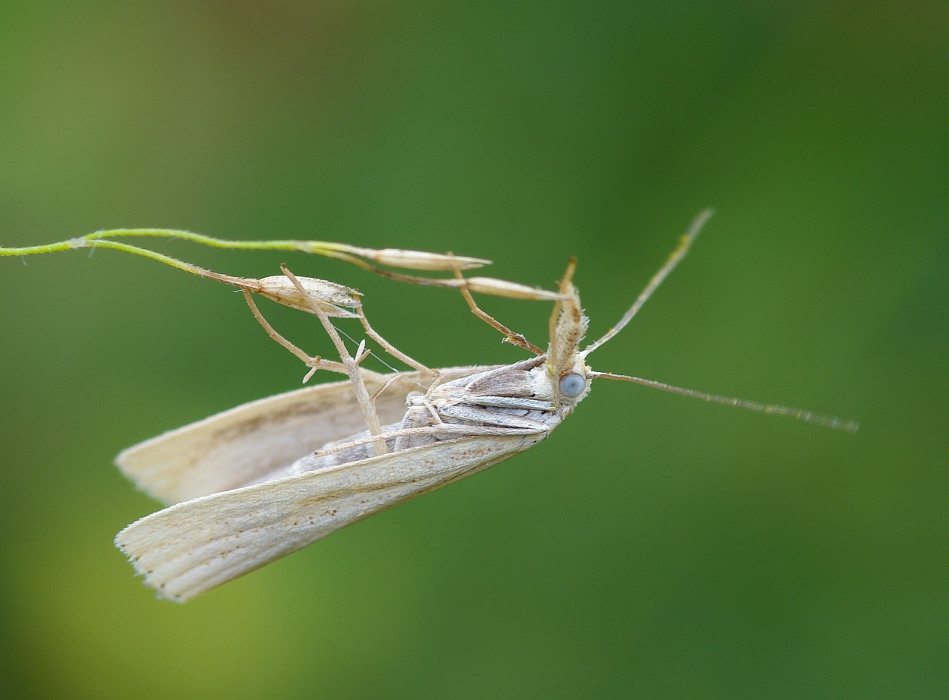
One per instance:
(510,336)
(314,363)
(431,409)
(390,348)
(485,430)
(381,390)
(352,368)
(445,430)
(476,415)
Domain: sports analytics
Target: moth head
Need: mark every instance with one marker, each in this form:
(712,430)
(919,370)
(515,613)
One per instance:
(566,365)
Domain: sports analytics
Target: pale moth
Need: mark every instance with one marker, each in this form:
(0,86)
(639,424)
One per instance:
(257,482)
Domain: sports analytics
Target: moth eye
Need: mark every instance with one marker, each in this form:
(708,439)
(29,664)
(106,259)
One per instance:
(572,385)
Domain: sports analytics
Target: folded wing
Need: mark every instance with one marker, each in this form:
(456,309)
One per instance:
(191,547)
(243,444)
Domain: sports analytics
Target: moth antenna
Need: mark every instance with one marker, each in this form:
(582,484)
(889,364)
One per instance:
(656,280)
(850,426)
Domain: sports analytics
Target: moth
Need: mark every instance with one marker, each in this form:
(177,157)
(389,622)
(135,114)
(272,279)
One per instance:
(257,482)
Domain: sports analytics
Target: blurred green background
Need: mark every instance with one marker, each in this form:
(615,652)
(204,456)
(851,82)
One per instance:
(654,546)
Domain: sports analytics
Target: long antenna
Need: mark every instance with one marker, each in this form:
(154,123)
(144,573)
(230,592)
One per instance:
(850,426)
(656,280)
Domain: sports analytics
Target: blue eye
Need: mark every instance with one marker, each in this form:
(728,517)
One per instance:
(572,385)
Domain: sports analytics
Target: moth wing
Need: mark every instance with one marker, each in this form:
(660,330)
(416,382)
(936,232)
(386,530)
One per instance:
(235,447)
(232,448)
(191,547)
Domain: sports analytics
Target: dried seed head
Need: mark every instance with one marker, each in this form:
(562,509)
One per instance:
(502,288)
(333,298)
(420,260)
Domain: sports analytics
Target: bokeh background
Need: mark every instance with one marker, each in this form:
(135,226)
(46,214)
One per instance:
(654,546)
